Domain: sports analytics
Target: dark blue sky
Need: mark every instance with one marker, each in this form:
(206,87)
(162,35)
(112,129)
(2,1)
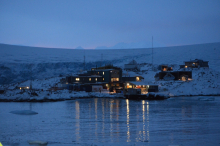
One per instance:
(92,23)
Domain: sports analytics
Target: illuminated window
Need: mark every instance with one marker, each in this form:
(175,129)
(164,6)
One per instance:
(89,79)
(98,73)
(129,86)
(77,79)
(103,79)
(103,72)
(186,66)
(95,79)
(114,79)
(137,78)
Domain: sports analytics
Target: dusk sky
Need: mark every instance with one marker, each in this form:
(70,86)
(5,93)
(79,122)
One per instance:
(93,23)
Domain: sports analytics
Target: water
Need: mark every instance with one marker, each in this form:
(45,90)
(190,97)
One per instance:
(102,121)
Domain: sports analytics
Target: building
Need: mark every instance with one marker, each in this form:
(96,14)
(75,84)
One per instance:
(109,77)
(110,73)
(133,66)
(197,63)
(2,90)
(175,75)
(139,88)
(165,68)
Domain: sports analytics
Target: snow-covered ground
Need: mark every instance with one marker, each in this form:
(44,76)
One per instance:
(47,66)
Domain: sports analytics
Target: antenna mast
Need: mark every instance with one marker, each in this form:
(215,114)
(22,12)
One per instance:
(152,53)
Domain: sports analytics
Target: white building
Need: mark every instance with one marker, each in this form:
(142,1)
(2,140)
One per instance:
(133,65)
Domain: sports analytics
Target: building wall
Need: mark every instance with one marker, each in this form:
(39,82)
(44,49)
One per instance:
(86,79)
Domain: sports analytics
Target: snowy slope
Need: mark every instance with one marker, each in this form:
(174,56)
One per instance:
(18,63)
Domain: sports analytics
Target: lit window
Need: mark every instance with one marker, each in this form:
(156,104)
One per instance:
(137,78)
(103,79)
(89,79)
(103,72)
(185,66)
(95,79)
(98,73)
(114,79)
(77,79)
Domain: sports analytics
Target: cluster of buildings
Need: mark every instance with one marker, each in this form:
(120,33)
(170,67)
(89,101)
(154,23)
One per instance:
(167,73)
(110,79)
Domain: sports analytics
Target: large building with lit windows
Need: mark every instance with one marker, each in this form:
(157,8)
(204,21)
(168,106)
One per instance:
(197,63)
(109,77)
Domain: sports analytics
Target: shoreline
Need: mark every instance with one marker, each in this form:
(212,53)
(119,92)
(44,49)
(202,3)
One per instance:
(86,97)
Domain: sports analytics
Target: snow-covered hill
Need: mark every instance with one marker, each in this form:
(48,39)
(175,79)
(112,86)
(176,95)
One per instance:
(19,63)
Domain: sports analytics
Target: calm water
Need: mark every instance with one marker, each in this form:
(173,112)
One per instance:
(101,121)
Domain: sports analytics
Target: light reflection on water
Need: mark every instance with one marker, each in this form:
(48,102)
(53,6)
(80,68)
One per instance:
(180,121)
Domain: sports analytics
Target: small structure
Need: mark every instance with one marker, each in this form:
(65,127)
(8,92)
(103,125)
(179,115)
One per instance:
(2,91)
(197,63)
(133,65)
(145,88)
(165,68)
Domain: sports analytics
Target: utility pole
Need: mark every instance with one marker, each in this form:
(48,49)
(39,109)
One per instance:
(101,60)
(84,64)
(152,54)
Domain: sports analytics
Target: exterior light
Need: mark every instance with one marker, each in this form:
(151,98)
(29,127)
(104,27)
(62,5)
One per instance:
(186,66)
(20,88)
(103,72)
(128,84)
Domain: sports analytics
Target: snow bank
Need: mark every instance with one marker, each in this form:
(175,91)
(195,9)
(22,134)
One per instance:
(60,95)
